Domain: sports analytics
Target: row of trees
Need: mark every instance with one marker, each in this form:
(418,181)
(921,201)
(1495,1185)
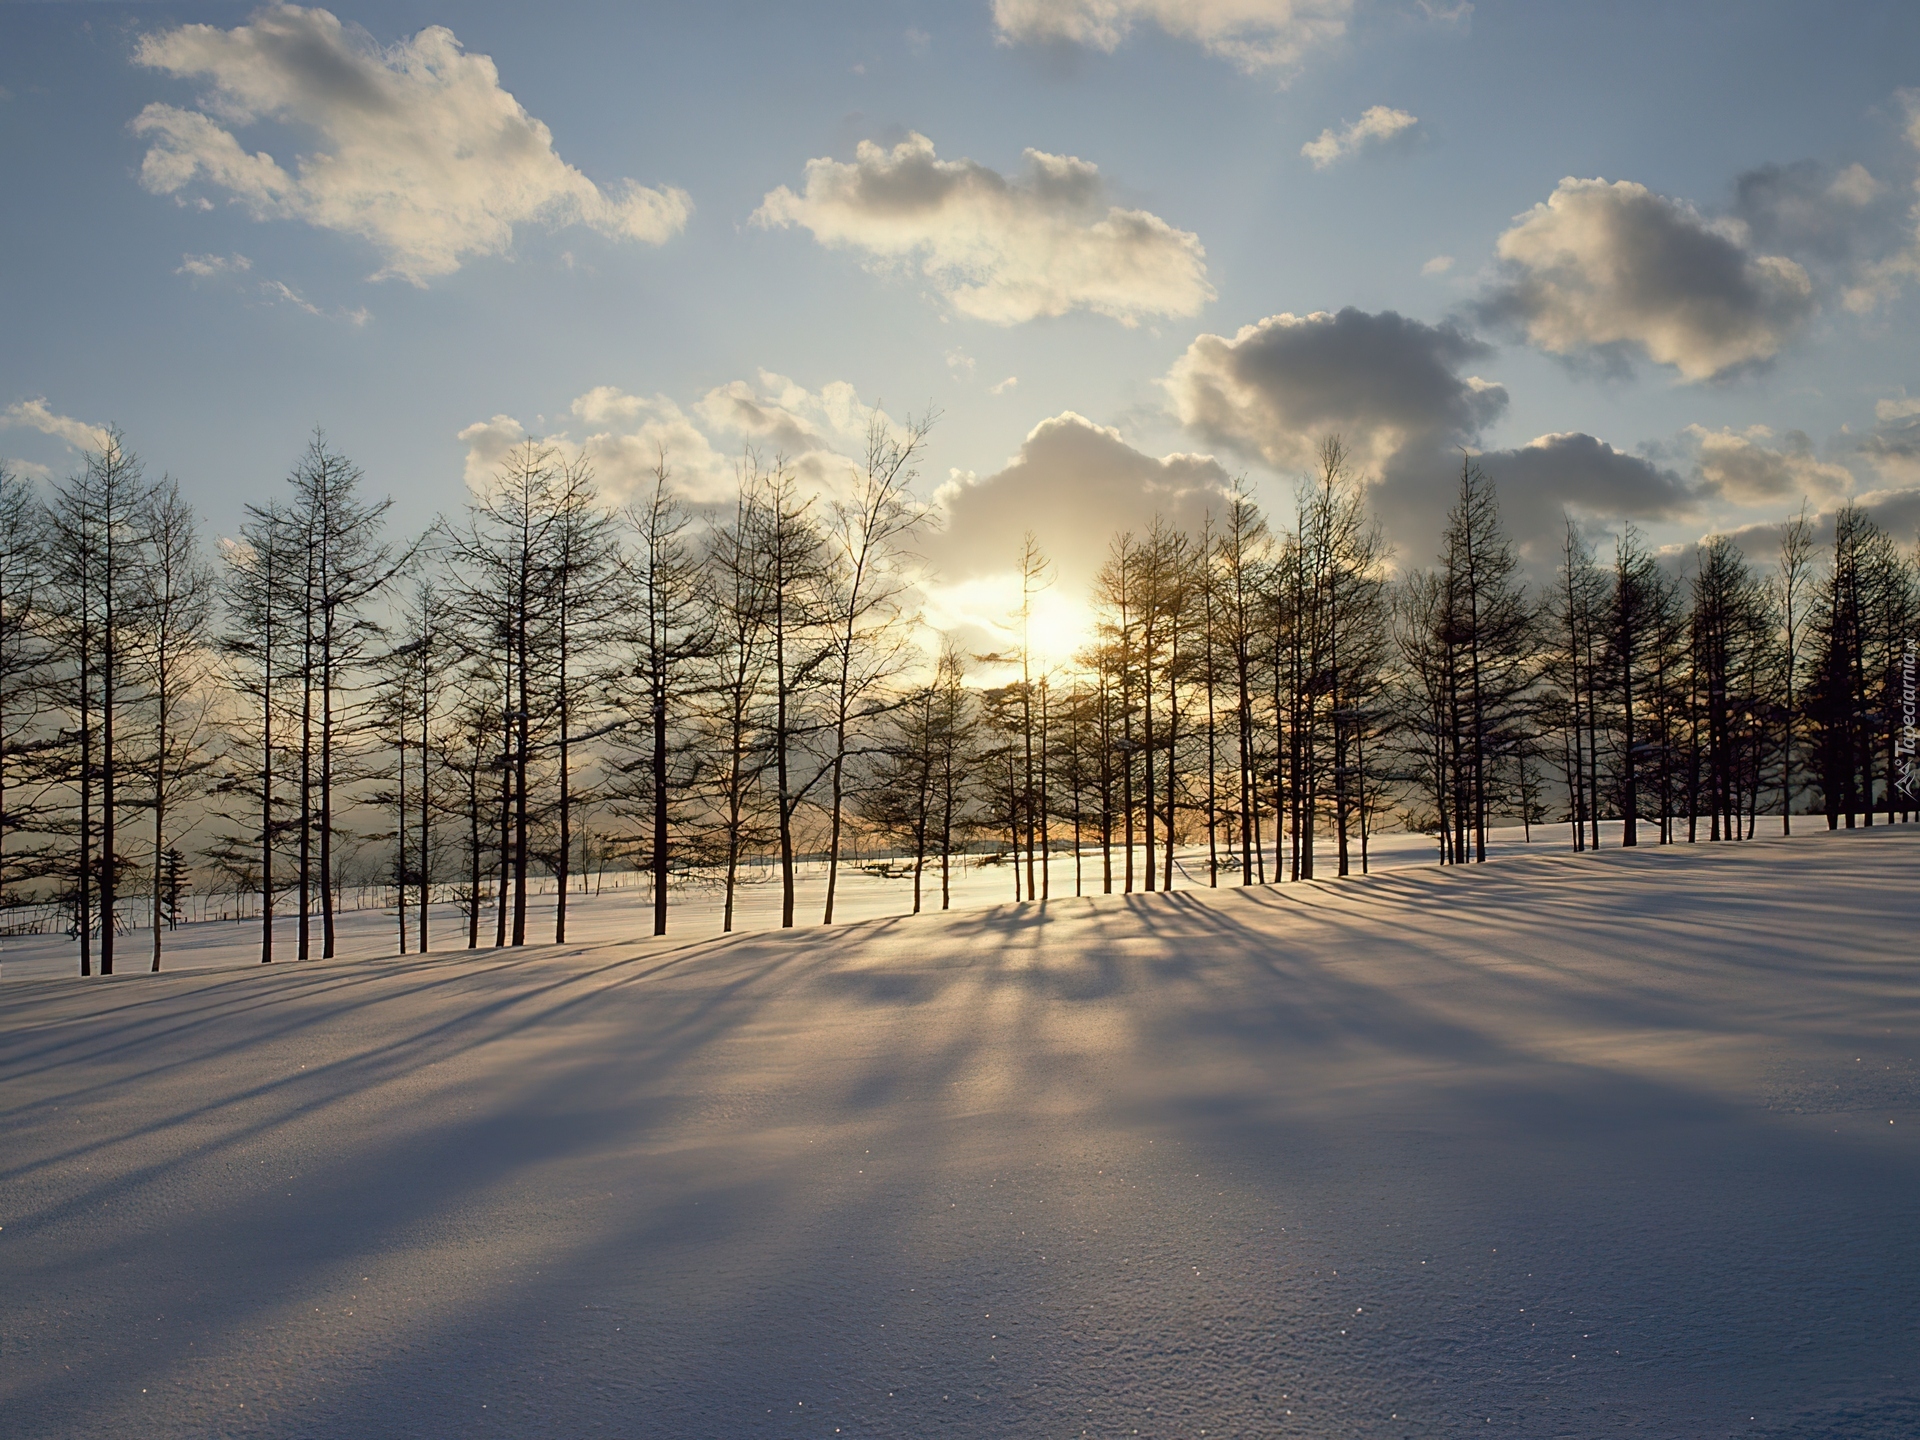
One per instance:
(716,689)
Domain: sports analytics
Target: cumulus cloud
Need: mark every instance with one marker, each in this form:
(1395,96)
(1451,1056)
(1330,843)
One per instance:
(623,435)
(1438,265)
(417,148)
(1377,125)
(1001,250)
(1749,468)
(1614,270)
(1396,391)
(1806,208)
(1554,476)
(34,415)
(1897,511)
(1256,35)
(1390,386)
(1849,230)
(1074,484)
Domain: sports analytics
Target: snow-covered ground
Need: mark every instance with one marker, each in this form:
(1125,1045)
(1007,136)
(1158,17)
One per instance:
(1579,1146)
(626,910)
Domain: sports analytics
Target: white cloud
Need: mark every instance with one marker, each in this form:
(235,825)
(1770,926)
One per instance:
(1847,228)
(624,437)
(1611,269)
(1074,484)
(417,148)
(1377,125)
(819,433)
(234,269)
(1551,476)
(1394,390)
(207,267)
(1390,386)
(1004,386)
(1897,511)
(1749,468)
(1438,265)
(999,250)
(281,293)
(34,415)
(280,290)
(1255,35)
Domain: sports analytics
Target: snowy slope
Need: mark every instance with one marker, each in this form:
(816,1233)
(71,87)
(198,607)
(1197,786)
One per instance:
(624,907)
(1616,1145)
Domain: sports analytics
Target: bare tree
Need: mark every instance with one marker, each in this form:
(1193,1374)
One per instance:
(23,664)
(864,601)
(669,630)
(344,565)
(262,625)
(97,540)
(583,602)
(731,720)
(177,592)
(501,558)
(1792,577)
(793,565)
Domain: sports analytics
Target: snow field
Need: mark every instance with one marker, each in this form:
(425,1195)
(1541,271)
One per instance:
(1614,1145)
(695,909)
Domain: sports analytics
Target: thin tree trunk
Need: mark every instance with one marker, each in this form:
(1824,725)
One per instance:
(302,948)
(426,832)
(658,704)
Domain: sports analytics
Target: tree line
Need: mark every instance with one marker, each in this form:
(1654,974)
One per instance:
(549,683)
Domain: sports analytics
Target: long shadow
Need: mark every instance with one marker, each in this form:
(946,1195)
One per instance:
(1637,1202)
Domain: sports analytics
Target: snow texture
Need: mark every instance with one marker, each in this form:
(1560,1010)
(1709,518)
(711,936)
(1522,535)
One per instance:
(1573,1146)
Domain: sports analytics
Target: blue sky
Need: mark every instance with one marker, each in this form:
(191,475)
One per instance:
(1651,323)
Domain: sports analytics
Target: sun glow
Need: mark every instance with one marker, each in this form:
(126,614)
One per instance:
(983,617)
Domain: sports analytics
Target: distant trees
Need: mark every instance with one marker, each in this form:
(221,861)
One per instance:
(743,692)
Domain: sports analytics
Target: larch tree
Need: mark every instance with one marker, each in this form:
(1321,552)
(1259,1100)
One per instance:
(177,592)
(1791,581)
(23,672)
(795,570)
(97,542)
(731,714)
(501,558)
(668,633)
(865,602)
(1640,610)
(262,645)
(344,565)
(583,602)
(1489,627)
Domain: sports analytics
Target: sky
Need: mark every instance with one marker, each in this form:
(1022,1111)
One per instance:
(1649,264)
